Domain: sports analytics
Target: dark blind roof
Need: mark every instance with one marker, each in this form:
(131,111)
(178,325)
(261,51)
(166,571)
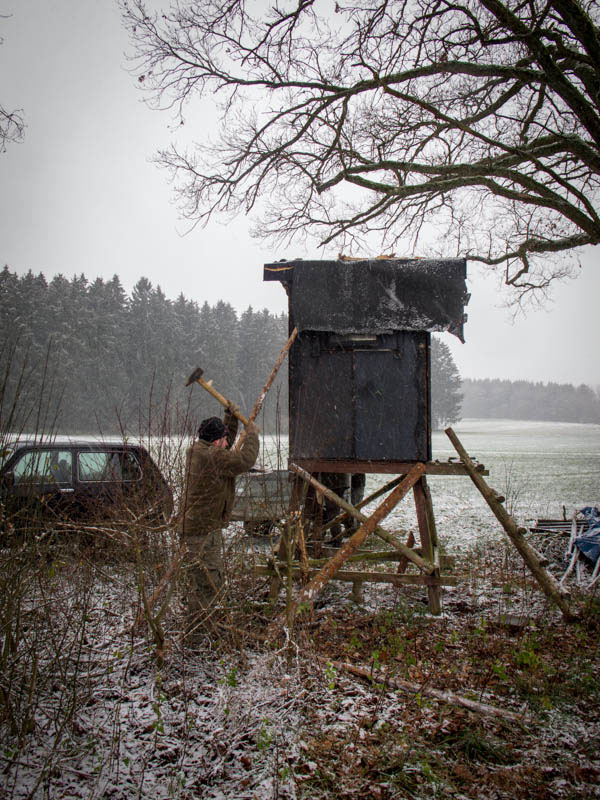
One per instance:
(375,295)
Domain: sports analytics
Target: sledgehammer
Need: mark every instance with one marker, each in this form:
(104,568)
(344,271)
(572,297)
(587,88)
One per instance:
(196,377)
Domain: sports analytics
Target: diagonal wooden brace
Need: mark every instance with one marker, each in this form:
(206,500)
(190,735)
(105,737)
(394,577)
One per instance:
(312,589)
(547,582)
(421,563)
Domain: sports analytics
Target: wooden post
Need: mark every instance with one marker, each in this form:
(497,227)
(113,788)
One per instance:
(403,561)
(422,564)
(428,534)
(317,583)
(547,582)
(297,498)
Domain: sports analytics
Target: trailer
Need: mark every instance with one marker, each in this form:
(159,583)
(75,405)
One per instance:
(262,498)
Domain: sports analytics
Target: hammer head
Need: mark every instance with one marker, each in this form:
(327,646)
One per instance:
(196,375)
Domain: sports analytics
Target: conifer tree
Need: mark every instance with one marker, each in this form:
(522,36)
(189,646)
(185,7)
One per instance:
(446,395)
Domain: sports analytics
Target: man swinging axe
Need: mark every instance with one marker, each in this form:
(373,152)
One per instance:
(212,464)
(208,498)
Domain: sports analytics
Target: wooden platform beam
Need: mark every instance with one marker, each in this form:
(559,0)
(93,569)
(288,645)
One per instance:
(386,467)
(351,576)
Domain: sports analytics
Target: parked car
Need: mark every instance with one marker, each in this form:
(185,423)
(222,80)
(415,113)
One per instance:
(82,480)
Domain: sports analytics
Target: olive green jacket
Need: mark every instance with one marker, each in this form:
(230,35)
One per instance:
(209,491)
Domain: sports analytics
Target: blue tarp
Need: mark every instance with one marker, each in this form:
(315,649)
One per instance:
(589,543)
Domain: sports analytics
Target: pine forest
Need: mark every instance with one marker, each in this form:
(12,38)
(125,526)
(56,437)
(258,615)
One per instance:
(82,356)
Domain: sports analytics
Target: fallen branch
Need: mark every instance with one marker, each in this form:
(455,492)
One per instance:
(436,694)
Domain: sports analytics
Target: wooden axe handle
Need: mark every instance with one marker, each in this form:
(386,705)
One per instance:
(223,400)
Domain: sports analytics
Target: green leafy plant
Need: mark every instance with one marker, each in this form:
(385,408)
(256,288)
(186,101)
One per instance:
(330,674)
(264,737)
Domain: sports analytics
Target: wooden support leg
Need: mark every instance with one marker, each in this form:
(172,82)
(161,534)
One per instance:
(429,541)
(546,580)
(313,510)
(312,589)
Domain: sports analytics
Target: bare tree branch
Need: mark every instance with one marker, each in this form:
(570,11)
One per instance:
(11,127)
(11,122)
(468,127)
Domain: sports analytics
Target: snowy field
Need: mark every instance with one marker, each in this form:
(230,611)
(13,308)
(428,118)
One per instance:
(538,466)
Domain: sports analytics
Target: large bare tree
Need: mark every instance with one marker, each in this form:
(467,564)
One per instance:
(469,127)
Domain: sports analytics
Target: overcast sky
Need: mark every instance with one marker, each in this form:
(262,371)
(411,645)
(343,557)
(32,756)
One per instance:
(81,195)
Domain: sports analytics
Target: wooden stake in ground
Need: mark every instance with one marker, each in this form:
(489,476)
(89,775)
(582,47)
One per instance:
(547,582)
(429,543)
(311,590)
(403,563)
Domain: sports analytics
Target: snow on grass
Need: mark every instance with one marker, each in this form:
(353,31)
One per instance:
(217,721)
(203,725)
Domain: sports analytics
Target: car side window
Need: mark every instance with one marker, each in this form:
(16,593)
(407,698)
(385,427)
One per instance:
(109,466)
(98,466)
(46,467)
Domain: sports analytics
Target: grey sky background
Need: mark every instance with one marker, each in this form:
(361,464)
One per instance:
(80,195)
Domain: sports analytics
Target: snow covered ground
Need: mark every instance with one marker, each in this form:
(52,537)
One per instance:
(88,711)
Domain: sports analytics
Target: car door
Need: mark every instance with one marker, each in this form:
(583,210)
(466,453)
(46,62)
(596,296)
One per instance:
(107,480)
(41,480)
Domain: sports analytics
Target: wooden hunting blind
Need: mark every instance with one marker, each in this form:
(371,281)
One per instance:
(359,370)
(359,385)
